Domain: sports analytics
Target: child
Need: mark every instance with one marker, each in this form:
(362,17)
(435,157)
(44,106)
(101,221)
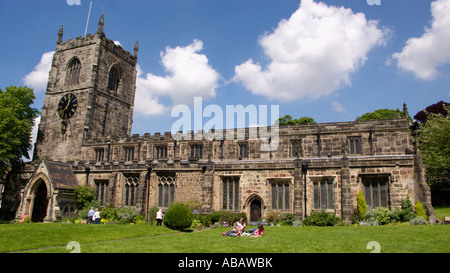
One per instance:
(259,232)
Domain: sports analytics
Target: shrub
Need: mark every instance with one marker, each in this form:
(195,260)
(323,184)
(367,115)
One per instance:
(383,216)
(227,216)
(406,213)
(362,206)
(126,214)
(369,219)
(274,217)
(138,219)
(289,219)
(418,221)
(85,196)
(152,214)
(420,212)
(110,213)
(200,221)
(194,205)
(321,218)
(178,217)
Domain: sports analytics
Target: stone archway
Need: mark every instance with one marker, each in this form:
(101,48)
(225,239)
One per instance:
(255,208)
(40,203)
(255,211)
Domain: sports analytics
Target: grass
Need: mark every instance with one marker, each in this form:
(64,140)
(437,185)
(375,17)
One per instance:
(53,238)
(442,212)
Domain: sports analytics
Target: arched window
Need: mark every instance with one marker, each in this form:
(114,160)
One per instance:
(131,185)
(73,72)
(114,78)
(166,190)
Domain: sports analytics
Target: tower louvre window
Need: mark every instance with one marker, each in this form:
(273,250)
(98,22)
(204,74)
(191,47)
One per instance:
(114,79)
(73,72)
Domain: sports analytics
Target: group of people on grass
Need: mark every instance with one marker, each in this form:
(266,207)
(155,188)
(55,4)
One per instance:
(239,230)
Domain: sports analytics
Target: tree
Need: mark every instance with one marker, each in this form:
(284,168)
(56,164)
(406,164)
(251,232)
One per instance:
(287,120)
(434,142)
(16,122)
(437,108)
(362,206)
(381,114)
(85,196)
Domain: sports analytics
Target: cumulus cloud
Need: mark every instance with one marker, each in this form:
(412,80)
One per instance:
(37,79)
(189,75)
(312,54)
(423,55)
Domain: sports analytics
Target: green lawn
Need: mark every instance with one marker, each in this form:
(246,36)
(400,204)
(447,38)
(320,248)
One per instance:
(53,238)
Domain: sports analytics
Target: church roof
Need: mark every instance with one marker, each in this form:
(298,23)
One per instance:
(61,174)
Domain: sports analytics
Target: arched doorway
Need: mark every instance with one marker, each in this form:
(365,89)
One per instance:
(255,211)
(40,204)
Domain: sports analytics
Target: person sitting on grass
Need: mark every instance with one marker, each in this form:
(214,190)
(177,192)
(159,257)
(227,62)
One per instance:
(258,232)
(241,225)
(235,232)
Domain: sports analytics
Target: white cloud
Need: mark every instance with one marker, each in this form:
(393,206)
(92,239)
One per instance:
(423,55)
(37,79)
(338,107)
(189,75)
(312,53)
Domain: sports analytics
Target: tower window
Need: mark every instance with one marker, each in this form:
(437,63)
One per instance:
(73,72)
(355,146)
(99,153)
(161,152)
(197,151)
(129,153)
(114,79)
(243,151)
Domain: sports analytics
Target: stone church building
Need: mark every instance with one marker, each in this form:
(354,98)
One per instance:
(84,138)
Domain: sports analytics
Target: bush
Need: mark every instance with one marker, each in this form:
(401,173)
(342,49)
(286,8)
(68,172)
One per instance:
(85,196)
(126,214)
(321,218)
(362,206)
(138,219)
(200,221)
(418,221)
(369,219)
(274,217)
(406,212)
(289,219)
(383,216)
(227,216)
(178,217)
(110,213)
(420,212)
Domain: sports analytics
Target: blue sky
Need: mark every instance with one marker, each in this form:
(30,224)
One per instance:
(331,60)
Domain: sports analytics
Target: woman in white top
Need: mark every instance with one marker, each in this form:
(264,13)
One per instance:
(96,218)
(159,217)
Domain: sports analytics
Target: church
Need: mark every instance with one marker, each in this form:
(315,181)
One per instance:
(84,138)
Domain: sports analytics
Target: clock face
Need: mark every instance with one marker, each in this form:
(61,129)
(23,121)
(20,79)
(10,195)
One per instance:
(67,106)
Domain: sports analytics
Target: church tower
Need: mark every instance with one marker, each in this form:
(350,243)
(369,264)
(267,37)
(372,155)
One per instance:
(90,95)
